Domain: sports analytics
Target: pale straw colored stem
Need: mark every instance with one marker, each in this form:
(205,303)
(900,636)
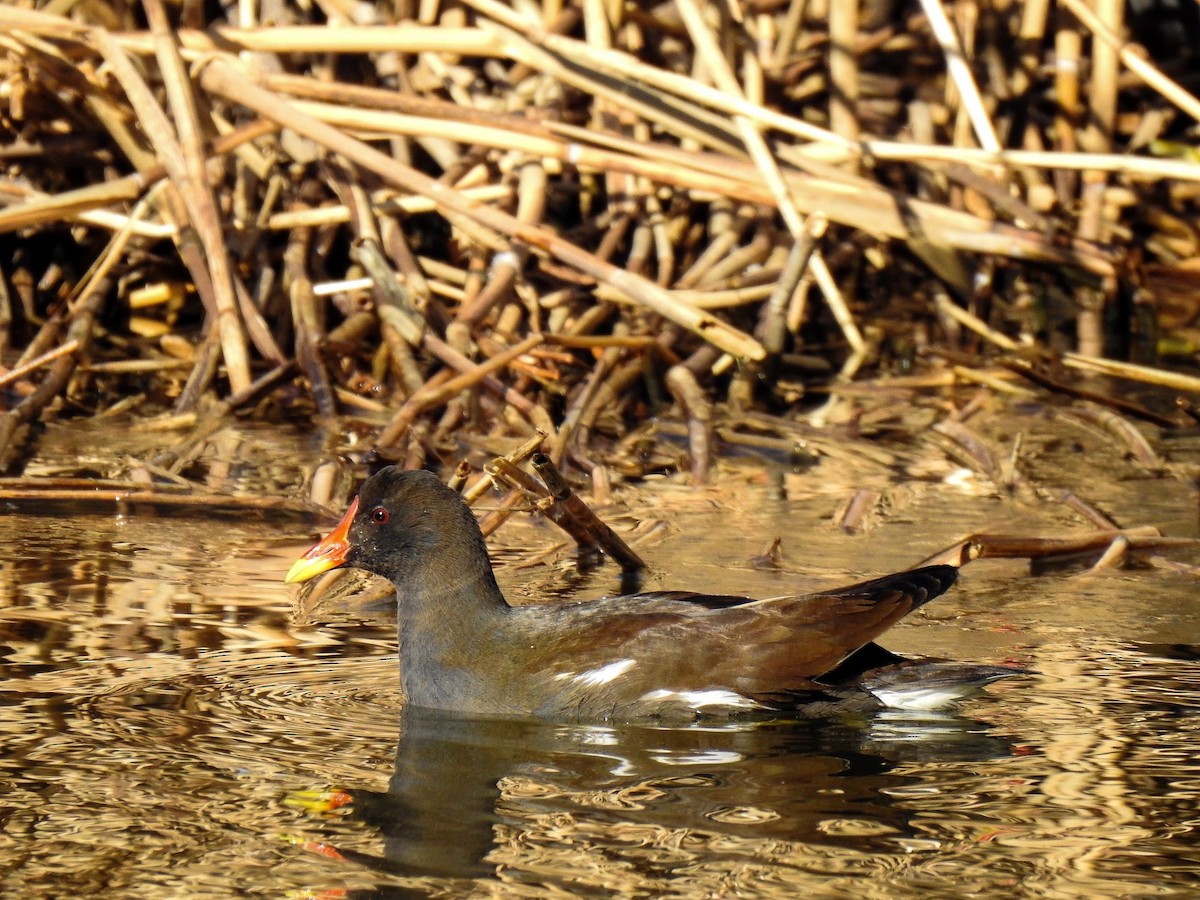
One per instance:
(788,31)
(1031,33)
(1097,135)
(403,123)
(995,162)
(989,380)
(843,68)
(960,73)
(409,204)
(596,24)
(970,321)
(585,157)
(15,18)
(345,286)
(1106,66)
(349,39)
(39,207)
(1147,374)
(718,299)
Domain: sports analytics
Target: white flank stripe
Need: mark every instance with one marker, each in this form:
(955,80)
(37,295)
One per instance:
(604,674)
(923,699)
(701,699)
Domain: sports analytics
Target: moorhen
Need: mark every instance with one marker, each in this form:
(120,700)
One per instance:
(666,654)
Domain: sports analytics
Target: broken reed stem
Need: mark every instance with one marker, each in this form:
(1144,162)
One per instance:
(458,480)
(16,374)
(32,492)
(697,411)
(1007,546)
(976,451)
(1114,556)
(80,330)
(964,317)
(774,332)
(1116,427)
(514,501)
(567,510)
(1028,371)
(516,456)
(853,515)
(1088,512)
(505,471)
(1146,374)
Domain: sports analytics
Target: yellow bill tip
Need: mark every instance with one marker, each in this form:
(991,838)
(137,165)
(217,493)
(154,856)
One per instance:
(305,569)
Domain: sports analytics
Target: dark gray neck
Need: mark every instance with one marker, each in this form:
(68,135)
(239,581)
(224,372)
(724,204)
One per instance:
(446,624)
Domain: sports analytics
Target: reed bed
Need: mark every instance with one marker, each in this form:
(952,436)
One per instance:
(436,220)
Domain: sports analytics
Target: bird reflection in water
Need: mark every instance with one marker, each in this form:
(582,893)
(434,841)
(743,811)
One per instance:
(536,802)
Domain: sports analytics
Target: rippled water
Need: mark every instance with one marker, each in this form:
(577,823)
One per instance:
(172,723)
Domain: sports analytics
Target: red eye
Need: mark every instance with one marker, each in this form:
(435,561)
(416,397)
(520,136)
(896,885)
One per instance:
(379,515)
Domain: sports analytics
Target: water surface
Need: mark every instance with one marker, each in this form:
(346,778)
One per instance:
(174,724)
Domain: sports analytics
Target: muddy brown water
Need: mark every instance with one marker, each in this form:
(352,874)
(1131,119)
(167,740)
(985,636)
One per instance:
(168,720)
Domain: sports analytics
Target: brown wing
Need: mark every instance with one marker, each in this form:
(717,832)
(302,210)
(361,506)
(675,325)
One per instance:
(764,648)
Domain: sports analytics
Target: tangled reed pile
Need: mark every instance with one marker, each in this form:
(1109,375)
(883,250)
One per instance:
(435,221)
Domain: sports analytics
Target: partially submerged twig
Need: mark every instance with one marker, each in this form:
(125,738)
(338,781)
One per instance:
(567,510)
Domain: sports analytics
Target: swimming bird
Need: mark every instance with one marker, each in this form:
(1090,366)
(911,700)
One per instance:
(660,655)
